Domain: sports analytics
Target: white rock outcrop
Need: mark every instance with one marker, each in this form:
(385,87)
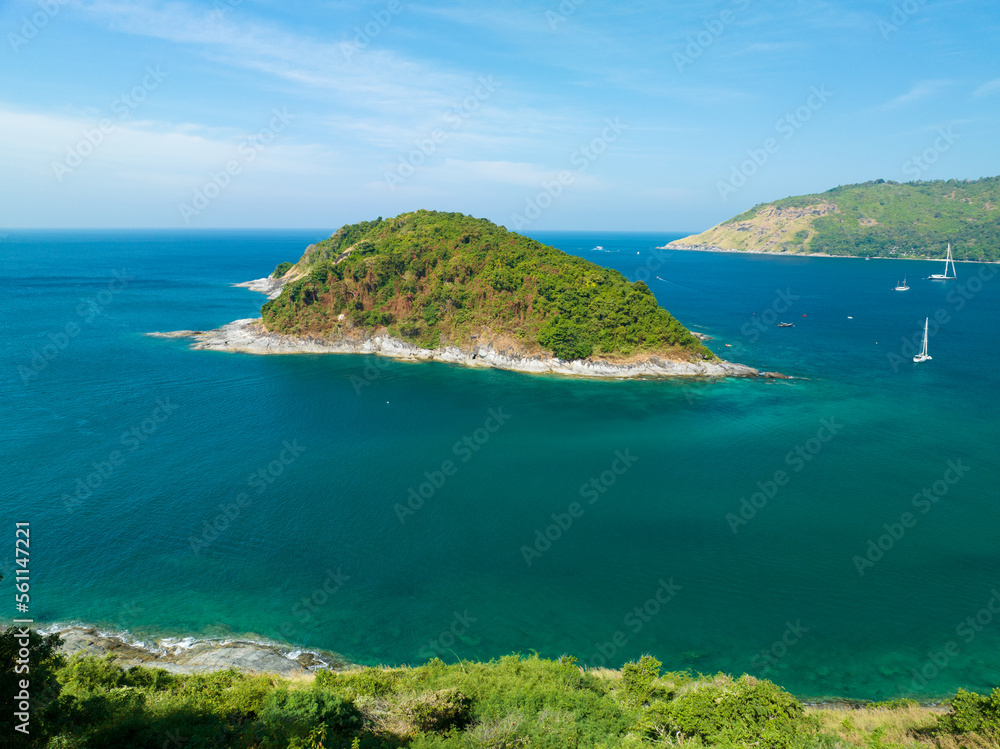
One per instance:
(250,336)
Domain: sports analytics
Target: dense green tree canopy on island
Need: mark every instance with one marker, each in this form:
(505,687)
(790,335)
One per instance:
(915,219)
(436,279)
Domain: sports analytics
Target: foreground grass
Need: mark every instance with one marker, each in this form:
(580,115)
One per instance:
(92,703)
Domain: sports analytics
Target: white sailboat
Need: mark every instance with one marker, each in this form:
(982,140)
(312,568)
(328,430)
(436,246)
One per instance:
(903,286)
(923,355)
(945,277)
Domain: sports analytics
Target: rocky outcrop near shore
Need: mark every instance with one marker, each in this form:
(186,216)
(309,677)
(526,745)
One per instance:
(176,334)
(191,657)
(250,336)
(270,287)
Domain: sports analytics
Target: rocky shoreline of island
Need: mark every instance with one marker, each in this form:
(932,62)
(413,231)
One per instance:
(251,336)
(715,248)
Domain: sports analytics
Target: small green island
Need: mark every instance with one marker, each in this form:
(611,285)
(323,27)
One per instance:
(882,218)
(449,287)
(445,278)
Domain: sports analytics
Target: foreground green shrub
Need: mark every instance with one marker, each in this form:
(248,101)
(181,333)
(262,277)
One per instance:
(367,682)
(973,713)
(724,711)
(227,693)
(640,680)
(508,732)
(439,711)
(87,673)
(305,709)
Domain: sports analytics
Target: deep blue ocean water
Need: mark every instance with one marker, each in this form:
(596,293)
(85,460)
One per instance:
(123,450)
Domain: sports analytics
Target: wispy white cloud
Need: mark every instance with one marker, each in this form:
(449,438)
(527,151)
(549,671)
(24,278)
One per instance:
(513,179)
(376,78)
(499,18)
(767,48)
(157,155)
(935,127)
(388,98)
(512,173)
(990,88)
(920,91)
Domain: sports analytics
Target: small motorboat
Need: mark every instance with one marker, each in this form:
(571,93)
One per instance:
(786,325)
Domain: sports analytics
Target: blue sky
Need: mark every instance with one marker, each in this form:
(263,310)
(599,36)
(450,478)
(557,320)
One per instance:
(584,114)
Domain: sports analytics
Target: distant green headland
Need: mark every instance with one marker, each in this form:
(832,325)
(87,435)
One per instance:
(874,219)
(445,279)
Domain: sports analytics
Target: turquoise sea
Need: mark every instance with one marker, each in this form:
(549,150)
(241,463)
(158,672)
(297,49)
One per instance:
(717,525)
